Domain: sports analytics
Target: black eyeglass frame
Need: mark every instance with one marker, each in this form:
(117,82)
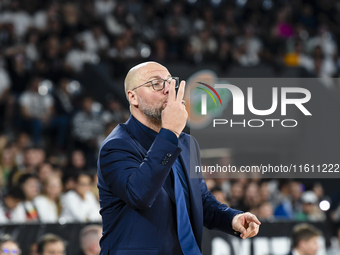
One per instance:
(164,80)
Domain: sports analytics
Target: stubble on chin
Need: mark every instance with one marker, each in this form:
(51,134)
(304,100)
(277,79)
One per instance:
(153,113)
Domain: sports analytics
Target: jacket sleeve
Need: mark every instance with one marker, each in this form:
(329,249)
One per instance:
(133,177)
(215,214)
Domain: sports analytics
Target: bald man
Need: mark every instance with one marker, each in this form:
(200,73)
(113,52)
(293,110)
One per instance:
(89,239)
(149,203)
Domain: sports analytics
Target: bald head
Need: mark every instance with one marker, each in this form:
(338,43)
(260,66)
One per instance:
(139,74)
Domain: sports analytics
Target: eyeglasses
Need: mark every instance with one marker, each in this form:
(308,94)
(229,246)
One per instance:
(159,84)
(7,251)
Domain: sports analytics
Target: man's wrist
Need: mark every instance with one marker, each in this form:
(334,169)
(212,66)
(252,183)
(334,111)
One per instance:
(173,131)
(169,135)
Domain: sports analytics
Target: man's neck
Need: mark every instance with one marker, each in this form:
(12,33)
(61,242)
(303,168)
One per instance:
(154,125)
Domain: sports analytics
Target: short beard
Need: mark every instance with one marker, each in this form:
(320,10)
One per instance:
(153,114)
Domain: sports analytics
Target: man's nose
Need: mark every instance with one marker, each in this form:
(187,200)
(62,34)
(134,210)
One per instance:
(166,87)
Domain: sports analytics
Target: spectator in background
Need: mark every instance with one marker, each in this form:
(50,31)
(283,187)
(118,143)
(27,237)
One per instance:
(48,203)
(89,239)
(80,205)
(204,46)
(17,69)
(307,17)
(284,209)
(29,184)
(119,20)
(5,85)
(283,28)
(305,240)
(325,40)
(51,244)
(319,191)
(20,19)
(159,50)
(21,143)
(77,57)
(63,99)
(269,192)
(236,195)
(103,8)
(252,197)
(9,246)
(248,48)
(7,165)
(70,19)
(310,208)
(224,55)
(115,112)
(298,57)
(265,211)
(52,58)
(121,53)
(33,157)
(150,24)
(179,19)
(77,161)
(33,249)
(95,41)
(296,189)
(324,66)
(44,171)
(11,207)
(76,164)
(36,110)
(87,125)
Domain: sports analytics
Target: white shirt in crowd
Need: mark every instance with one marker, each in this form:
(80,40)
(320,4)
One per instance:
(21,21)
(47,209)
(37,105)
(76,209)
(77,58)
(103,7)
(93,44)
(17,215)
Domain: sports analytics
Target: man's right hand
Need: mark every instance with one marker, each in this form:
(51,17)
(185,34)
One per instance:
(175,115)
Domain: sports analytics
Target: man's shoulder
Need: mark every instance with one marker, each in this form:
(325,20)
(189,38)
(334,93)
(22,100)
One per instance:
(118,133)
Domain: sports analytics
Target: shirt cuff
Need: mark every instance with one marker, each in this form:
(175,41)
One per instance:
(169,135)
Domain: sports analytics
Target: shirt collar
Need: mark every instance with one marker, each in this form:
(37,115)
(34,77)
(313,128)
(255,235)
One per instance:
(148,131)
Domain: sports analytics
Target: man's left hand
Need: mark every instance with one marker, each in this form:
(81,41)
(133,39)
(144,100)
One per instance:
(247,224)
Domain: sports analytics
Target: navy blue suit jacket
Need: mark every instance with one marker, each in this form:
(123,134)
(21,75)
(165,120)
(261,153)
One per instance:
(137,196)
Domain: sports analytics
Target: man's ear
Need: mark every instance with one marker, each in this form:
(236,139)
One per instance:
(132,97)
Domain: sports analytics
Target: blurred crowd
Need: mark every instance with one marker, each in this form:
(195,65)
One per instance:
(272,199)
(49,243)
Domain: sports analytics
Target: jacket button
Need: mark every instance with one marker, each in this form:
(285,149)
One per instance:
(168,155)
